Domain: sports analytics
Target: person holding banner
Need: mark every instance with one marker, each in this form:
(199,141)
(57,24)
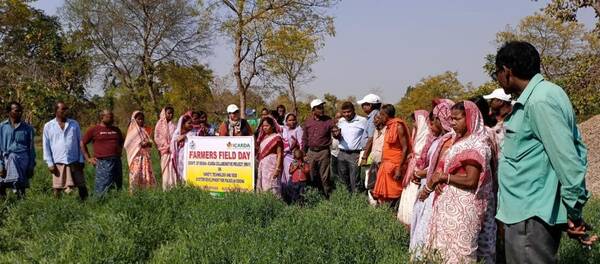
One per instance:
(270,157)
(138,144)
(185,128)
(200,123)
(163,135)
(235,125)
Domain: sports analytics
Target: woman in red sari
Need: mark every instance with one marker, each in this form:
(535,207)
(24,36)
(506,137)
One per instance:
(396,148)
(138,144)
(270,157)
(459,211)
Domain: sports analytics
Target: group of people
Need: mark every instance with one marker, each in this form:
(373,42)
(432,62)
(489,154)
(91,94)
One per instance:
(468,172)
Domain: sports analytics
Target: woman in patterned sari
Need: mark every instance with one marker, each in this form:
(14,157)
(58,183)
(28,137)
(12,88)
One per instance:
(433,151)
(466,183)
(270,157)
(138,144)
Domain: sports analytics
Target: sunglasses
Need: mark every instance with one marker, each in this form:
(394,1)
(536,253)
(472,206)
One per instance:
(494,74)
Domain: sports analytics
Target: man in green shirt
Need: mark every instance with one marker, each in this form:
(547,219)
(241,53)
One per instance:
(542,164)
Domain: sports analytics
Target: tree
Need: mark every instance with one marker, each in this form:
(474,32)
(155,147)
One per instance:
(419,96)
(39,63)
(247,24)
(185,87)
(566,10)
(569,54)
(132,37)
(291,54)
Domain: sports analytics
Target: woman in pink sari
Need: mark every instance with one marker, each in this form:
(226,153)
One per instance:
(466,184)
(163,133)
(138,144)
(270,157)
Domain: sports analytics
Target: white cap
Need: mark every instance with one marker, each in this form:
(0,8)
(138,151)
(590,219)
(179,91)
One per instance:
(498,94)
(316,102)
(370,99)
(232,108)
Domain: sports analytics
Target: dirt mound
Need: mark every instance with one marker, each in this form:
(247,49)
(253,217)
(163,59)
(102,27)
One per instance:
(590,129)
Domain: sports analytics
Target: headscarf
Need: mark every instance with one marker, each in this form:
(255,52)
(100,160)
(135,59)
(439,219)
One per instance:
(442,111)
(421,133)
(175,146)
(135,136)
(163,132)
(473,146)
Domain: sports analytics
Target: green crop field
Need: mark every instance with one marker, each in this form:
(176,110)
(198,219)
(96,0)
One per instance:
(186,225)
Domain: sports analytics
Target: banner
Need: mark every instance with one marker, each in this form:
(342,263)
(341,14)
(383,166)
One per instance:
(220,164)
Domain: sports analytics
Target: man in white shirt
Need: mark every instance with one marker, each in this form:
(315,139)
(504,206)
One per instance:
(501,107)
(352,141)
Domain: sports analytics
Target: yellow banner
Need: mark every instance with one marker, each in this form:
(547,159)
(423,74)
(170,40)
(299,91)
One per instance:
(220,164)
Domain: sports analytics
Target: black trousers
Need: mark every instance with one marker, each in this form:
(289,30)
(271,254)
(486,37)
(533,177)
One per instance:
(532,241)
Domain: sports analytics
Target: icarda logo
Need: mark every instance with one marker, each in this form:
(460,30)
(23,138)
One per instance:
(237,145)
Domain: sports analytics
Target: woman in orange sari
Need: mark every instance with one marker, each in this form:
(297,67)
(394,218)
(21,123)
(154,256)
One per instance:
(396,148)
(138,144)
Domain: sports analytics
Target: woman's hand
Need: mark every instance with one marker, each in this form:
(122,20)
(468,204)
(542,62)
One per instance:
(181,138)
(417,176)
(277,173)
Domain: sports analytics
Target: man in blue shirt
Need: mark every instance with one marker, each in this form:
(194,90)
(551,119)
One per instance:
(62,153)
(352,140)
(17,152)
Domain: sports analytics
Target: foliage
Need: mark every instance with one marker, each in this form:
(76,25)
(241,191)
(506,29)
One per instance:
(419,96)
(566,10)
(185,88)
(39,64)
(132,38)
(569,57)
(248,24)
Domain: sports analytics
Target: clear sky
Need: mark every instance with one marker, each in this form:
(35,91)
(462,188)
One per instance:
(383,46)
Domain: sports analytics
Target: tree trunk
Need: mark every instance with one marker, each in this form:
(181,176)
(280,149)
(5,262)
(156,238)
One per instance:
(293,93)
(237,65)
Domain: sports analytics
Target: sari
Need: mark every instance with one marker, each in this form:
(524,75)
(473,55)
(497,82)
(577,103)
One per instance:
(267,159)
(163,134)
(138,157)
(386,187)
(433,151)
(267,164)
(177,150)
(292,140)
(460,214)
(420,135)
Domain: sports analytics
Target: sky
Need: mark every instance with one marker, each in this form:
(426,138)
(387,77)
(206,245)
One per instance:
(383,46)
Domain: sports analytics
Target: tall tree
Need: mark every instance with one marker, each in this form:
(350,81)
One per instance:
(185,87)
(39,63)
(291,54)
(132,37)
(247,24)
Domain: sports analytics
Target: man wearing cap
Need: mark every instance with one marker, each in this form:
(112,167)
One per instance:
(234,126)
(317,138)
(501,107)
(370,104)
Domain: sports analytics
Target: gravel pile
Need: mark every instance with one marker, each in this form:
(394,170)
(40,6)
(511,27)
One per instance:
(591,136)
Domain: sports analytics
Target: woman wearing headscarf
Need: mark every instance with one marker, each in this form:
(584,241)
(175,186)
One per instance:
(459,211)
(163,133)
(420,136)
(292,140)
(270,157)
(184,129)
(433,151)
(138,144)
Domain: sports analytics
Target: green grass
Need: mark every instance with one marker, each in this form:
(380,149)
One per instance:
(189,226)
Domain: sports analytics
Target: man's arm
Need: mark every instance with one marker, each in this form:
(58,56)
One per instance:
(552,128)
(47,148)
